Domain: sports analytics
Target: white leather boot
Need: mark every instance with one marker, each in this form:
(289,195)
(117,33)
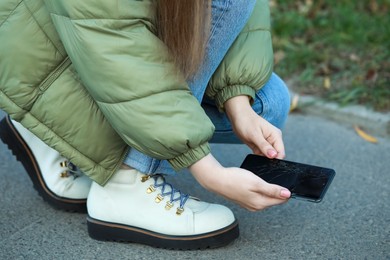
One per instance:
(56,180)
(139,208)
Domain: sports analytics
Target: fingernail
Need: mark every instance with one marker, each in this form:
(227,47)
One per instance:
(285,194)
(272,153)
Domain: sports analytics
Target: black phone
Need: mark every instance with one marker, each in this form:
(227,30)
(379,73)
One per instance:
(305,181)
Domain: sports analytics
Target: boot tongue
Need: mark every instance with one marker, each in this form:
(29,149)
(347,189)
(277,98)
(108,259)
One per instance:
(192,203)
(168,191)
(162,185)
(122,176)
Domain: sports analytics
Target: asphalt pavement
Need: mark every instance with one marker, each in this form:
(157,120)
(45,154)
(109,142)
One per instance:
(352,222)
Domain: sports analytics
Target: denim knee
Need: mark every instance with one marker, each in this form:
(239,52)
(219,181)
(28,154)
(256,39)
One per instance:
(273,101)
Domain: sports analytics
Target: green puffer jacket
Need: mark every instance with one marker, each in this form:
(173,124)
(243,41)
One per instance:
(90,78)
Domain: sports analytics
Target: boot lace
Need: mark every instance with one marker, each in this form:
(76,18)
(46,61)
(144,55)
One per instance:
(167,190)
(70,170)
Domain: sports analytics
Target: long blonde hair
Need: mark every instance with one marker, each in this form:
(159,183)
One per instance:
(183,25)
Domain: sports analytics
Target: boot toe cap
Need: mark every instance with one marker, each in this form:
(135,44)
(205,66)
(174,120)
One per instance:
(216,218)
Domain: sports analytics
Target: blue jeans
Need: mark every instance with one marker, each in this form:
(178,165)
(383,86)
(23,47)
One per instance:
(272,101)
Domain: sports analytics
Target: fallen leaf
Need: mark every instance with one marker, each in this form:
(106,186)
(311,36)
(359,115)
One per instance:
(353,57)
(323,70)
(327,83)
(364,135)
(273,3)
(304,8)
(372,75)
(373,5)
(294,103)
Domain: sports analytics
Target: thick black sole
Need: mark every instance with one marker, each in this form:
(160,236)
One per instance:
(107,231)
(10,136)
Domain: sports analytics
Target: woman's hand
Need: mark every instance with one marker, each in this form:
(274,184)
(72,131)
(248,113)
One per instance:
(261,136)
(238,185)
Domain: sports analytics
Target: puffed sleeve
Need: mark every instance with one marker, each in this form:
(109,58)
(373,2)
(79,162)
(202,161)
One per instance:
(131,76)
(249,62)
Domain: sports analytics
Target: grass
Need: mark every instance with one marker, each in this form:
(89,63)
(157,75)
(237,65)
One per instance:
(338,50)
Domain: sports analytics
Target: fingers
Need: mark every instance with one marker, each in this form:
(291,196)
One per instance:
(271,146)
(255,149)
(267,195)
(279,146)
(263,147)
(273,191)
(252,193)
(262,202)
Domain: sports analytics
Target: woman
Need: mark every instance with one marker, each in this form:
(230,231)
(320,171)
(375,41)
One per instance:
(93,78)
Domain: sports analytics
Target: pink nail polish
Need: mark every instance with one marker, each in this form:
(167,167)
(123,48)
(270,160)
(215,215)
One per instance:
(272,153)
(285,194)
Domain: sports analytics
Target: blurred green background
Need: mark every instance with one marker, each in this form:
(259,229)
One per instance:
(338,50)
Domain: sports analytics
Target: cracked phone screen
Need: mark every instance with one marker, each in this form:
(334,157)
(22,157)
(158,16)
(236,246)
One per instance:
(301,179)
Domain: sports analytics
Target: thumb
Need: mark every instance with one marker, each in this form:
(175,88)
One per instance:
(274,191)
(266,148)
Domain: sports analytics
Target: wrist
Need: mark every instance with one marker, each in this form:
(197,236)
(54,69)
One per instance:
(237,106)
(207,171)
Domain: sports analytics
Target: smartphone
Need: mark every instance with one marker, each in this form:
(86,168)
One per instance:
(305,181)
